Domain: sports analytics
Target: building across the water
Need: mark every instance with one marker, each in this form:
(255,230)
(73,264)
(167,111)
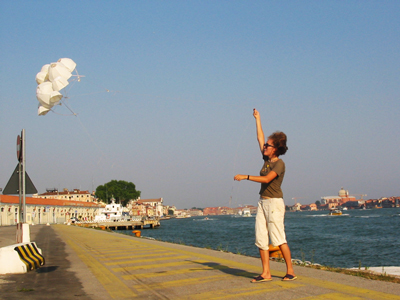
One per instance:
(147,207)
(65,194)
(333,201)
(46,210)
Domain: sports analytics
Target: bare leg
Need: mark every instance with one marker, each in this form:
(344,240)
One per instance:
(288,258)
(266,273)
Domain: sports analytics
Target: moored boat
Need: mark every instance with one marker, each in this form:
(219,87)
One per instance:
(246,213)
(111,213)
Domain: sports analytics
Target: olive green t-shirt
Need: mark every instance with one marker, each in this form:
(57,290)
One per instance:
(273,188)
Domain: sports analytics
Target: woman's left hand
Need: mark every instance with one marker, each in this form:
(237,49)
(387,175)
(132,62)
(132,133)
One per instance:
(240,177)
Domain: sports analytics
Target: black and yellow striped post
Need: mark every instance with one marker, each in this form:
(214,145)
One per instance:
(30,256)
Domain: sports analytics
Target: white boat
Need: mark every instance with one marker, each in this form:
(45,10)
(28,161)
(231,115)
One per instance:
(111,213)
(246,213)
(184,216)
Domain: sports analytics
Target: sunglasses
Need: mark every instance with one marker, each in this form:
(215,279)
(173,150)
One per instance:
(266,145)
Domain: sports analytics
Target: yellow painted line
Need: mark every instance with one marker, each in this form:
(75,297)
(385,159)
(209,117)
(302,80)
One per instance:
(138,261)
(113,285)
(130,254)
(200,280)
(131,246)
(252,290)
(137,256)
(111,250)
(152,266)
(349,290)
(165,273)
(331,296)
(341,288)
(76,233)
(133,243)
(122,253)
(182,271)
(213,259)
(182,282)
(131,251)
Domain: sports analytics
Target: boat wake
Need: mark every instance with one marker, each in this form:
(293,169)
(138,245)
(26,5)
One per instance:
(318,216)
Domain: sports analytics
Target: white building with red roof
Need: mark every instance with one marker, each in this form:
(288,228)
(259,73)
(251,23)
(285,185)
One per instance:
(46,210)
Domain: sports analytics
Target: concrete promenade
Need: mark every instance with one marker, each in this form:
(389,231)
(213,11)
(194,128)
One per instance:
(84,263)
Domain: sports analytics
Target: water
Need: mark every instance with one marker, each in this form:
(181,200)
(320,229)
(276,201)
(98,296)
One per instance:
(366,238)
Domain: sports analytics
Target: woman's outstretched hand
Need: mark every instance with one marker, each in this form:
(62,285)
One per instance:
(240,177)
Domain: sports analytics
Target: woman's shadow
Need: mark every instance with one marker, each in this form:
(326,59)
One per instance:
(227,270)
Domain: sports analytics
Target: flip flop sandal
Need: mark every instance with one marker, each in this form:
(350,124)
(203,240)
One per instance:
(260,279)
(289,277)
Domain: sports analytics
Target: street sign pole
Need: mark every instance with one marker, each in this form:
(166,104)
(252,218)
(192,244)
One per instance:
(23,232)
(23,177)
(20,184)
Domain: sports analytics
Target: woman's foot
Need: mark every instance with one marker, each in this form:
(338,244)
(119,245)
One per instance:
(260,279)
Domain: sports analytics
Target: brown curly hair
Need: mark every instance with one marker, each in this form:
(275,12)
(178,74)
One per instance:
(279,140)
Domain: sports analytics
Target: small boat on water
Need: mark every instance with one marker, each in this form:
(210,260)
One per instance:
(111,213)
(182,216)
(246,213)
(335,212)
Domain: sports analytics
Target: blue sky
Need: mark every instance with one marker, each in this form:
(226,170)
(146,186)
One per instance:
(169,88)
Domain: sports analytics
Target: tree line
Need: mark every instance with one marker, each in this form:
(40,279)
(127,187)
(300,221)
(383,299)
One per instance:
(121,190)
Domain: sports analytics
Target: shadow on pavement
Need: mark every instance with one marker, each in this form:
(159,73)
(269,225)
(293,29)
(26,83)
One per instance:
(54,280)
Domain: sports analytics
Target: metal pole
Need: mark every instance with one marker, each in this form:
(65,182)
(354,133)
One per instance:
(23,176)
(20,192)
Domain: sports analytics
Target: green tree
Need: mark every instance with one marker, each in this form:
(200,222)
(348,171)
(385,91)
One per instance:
(198,208)
(121,190)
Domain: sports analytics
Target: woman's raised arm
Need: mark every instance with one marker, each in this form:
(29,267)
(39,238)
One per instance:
(260,133)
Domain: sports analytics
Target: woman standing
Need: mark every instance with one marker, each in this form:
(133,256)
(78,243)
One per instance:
(271,208)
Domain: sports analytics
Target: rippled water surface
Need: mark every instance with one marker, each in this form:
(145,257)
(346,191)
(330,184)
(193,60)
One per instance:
(358,237)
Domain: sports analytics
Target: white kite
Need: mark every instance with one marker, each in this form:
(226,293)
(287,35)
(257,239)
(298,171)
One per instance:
(51,79)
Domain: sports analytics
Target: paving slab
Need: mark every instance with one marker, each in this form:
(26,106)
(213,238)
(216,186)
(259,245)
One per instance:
(86,263)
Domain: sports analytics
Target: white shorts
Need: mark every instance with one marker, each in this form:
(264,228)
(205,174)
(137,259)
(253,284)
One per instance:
(270,222)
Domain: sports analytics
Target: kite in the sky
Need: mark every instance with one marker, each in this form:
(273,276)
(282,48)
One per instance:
(51,80)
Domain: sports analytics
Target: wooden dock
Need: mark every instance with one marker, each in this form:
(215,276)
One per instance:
(125,225)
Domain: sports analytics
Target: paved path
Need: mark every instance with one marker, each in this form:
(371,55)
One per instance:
(84,263)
